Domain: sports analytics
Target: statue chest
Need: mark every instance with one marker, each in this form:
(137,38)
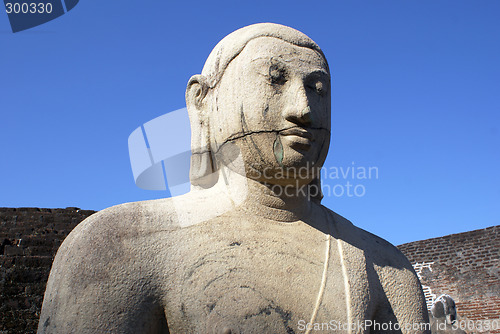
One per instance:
(270,279)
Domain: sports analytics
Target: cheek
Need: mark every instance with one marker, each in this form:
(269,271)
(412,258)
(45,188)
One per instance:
(321,116)
(260,111)
(263,151)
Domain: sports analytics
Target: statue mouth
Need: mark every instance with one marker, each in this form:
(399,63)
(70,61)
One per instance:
(299,132)
(299,138)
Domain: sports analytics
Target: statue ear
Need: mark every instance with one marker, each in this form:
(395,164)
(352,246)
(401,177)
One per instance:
(202,171)
(196,91)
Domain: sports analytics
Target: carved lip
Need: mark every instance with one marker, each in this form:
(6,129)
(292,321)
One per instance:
(297,131)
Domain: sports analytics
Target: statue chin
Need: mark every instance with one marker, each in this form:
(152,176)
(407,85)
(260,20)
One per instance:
(294,168)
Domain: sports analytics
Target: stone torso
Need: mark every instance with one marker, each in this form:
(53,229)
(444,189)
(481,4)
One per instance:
(245,274)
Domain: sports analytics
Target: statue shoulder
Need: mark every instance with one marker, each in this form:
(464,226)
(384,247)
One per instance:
(105,258)
(128,218)
(115,226)
(396,290)
(376,249)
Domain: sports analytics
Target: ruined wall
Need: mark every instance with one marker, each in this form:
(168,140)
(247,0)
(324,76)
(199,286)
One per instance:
(466,267)
(29,239)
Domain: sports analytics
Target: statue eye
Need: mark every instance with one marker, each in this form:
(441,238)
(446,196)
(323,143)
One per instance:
(319,87)
(277,74)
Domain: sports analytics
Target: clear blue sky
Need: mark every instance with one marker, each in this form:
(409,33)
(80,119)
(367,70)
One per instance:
(416,93)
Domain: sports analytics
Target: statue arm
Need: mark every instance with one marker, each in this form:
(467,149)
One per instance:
(401,300)
(95,286)
(395,294)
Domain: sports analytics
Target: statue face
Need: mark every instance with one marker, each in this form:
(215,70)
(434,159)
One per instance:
(273,101)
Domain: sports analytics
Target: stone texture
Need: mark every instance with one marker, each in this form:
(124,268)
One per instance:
(249,249)
(15,318)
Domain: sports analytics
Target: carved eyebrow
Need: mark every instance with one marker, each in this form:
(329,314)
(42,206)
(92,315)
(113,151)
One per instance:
(269,62)
(266,61)
(283,62)
(318,73)
(269,59)
(259,58)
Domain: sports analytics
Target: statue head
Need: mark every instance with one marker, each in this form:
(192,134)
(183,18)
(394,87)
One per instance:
(444,307)
(264,89)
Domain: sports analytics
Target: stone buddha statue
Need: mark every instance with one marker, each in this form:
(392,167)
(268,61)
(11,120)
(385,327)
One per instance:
(250,249)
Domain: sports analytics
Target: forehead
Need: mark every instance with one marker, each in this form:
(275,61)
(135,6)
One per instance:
(265,49)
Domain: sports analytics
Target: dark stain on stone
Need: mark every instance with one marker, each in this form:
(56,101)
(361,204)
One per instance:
(244,126)
(216,278)
(285,316)
(183,310)
(211,307)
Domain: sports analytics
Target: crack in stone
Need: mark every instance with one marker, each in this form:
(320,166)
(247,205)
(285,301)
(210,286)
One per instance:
(240,135)
(244,128)
(244,134)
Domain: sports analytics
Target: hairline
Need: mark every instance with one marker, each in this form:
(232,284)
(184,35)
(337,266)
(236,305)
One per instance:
(236,54)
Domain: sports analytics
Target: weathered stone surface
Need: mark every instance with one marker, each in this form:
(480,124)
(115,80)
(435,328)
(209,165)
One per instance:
(250,249)
(475,288)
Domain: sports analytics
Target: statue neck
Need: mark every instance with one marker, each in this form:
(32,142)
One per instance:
(274,202)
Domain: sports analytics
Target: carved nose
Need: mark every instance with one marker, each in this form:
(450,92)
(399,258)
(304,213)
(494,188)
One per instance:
(299,112)
(300,117)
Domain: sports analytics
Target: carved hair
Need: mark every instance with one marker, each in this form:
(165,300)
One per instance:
(232,45)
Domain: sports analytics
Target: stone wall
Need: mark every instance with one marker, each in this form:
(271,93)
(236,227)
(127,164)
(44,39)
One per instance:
(29,239)
(466,267)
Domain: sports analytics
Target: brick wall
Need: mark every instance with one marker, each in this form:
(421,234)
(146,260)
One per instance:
(466,267)
(29,239)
